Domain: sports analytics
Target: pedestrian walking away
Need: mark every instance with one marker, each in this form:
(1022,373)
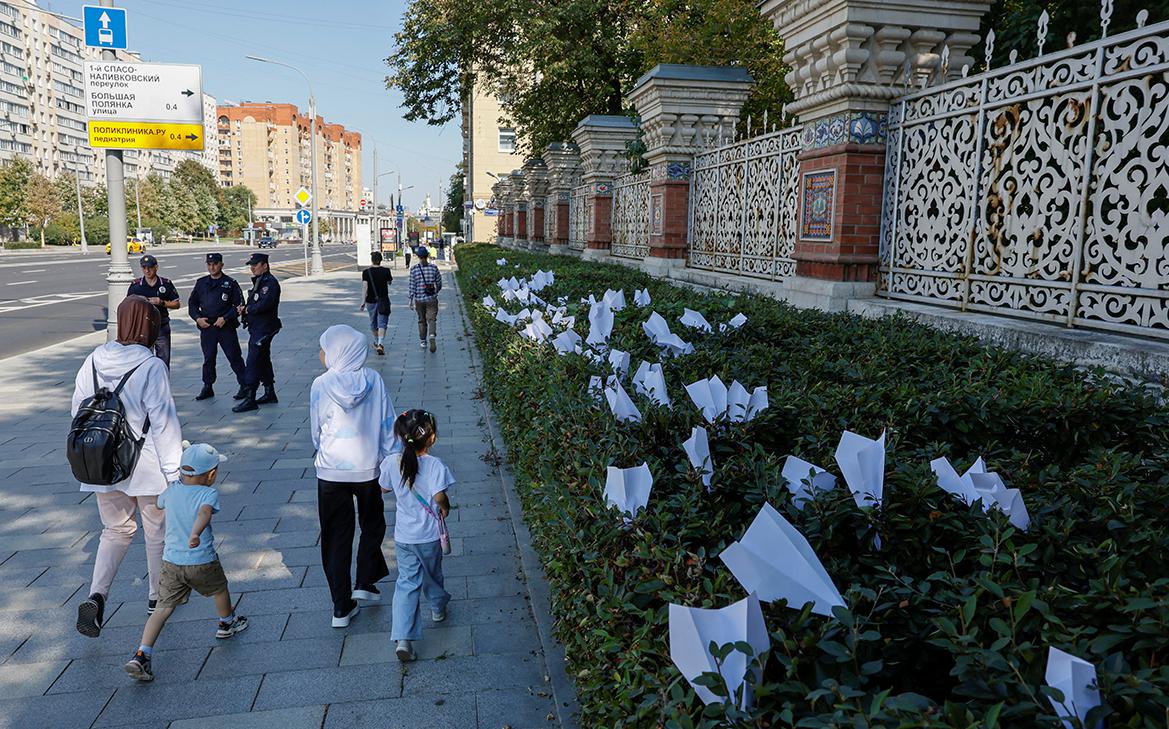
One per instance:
(162,293)
(425,283)
(351,419)
(419,482)
(129,364)
(406,252)
(189,559)
(375,297)
(214,305)
(261,309)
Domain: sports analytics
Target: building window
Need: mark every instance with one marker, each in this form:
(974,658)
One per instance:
(506,140)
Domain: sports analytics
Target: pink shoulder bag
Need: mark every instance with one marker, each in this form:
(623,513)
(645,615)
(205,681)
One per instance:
(444,537)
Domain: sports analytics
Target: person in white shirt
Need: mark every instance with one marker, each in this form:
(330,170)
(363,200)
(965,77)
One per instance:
(146,395)
(351,418)
(419,482)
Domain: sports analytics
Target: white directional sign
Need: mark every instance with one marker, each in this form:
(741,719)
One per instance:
(144,105)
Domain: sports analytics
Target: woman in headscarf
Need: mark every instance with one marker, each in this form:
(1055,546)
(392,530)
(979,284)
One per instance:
(146,394)
(351,418)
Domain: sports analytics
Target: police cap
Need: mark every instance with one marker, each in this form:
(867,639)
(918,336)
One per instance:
(215,258)
(257,258)
(148,260)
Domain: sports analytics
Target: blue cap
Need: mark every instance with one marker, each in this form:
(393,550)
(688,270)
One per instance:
(199,458)
(423,252)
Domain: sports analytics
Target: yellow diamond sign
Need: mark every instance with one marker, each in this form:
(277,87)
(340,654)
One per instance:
(302,197)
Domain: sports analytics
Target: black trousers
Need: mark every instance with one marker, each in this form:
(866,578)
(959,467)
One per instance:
(211,340)
(335,507)
(258,368)
(162,345)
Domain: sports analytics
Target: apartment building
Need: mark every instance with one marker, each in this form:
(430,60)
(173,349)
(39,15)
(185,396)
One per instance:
(489,145)
(267,147)
(42,106)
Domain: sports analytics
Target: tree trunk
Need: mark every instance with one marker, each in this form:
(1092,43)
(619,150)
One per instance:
(42,236)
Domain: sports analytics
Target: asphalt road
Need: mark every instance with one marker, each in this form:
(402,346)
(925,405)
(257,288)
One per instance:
(52,296)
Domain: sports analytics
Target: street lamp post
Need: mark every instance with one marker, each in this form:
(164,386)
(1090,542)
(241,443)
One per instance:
(318,266)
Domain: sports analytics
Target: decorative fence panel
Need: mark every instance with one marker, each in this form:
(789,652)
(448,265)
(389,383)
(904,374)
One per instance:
(630,216)
(1038,189)
(578,218)
(743,206)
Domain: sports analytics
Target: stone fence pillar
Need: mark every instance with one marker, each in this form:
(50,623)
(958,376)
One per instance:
(503,196)
(563,162)
(519,209)
(849,59)
(536,189)
(680,108)
(601,140)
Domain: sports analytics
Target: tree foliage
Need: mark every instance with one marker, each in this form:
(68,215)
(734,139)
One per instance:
(452,213)
(14,178)
(553,62)
(42,204)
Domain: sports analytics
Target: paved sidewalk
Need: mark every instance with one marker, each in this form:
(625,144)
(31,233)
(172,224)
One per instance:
(483,667)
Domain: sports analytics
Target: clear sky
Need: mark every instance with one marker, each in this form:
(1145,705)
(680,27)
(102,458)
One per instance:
(340,44)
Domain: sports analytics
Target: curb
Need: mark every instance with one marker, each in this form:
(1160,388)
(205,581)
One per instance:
(539,597)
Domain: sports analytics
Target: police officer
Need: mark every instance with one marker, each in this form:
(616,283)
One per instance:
(160,292)
(262,306)
(214,305)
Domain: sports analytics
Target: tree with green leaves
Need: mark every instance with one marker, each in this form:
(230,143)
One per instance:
(553,62)
(42,204)
(452,213)
(14,177)
(233,212)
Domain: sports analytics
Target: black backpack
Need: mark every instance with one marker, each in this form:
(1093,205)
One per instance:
(102,448)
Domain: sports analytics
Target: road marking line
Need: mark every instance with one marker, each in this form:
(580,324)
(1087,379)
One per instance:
(34,270)
(19,283)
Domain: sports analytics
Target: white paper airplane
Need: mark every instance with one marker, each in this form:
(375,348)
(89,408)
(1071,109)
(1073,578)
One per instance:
(775,561)
(693,629)
(567,342)
(697,448)
(489,302)
(600,323)
(537,331)
(641,298)
(649,380)
(977,484)
(694,320)
(1076,680)
(862,463)
(597,388)
(615,299)
(503,316)
(710,396)
(619,361)
(628,488)
(619,403)
(742,407)
(736,322)
(805,479)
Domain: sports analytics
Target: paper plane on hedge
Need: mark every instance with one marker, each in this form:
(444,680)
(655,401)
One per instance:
(693,629)
(805,479)
(628,488)
(862,463)
(1076,680)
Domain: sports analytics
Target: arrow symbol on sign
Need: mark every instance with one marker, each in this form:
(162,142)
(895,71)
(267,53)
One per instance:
(188,93)
(192,137)
(105,19)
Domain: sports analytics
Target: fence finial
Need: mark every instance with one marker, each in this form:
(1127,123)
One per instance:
(1071,39)
(748,126)
(1105,17)
(945,63)
(765,121)
(1041,35)
(965,70)
(1142,18)
(989,48)
(1014,56)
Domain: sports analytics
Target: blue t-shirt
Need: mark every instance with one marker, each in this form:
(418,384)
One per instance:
(182,502)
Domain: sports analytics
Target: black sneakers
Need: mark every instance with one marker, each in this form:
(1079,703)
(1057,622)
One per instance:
(90,615)
(138,667)
(226,630)
(241,393)
(268,397)
(205,393)
(341,616)
(369,593)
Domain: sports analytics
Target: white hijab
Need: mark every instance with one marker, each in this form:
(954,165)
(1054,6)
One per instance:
(345,351)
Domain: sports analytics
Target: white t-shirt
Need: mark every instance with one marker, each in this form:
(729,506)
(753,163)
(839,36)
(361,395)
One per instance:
(412,525)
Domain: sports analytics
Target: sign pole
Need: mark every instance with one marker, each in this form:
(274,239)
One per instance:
(318,266)
(119,277)
(304,237)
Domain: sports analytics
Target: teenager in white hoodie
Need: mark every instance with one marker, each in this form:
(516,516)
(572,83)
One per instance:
(351,418)
(147,393)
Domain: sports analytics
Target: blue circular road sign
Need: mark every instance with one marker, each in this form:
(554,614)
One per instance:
(304,216)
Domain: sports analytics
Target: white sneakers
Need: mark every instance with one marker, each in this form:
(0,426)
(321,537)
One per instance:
(405,651)
(342,621)
(369,593)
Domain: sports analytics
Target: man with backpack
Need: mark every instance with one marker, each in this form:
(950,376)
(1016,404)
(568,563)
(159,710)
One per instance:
(375,296)
(425,283)
(125,446)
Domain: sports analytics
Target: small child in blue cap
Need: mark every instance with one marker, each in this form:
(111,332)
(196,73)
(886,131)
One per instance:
(189,560)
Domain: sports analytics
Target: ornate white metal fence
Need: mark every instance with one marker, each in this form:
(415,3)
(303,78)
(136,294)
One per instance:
(630,216)
(743,206)
(578,218)
(1040,189)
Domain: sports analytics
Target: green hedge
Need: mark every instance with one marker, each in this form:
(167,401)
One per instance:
(949,624)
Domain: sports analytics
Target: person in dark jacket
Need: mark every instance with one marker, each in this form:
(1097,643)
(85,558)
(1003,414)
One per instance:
(263,322)
(163,295)
(214,305)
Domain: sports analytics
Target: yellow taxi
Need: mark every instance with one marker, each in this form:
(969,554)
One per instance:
(132,246)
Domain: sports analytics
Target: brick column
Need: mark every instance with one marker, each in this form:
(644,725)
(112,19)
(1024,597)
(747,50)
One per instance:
(849,59)
(680,108)
(519,210)
(563,162)
(536,189)
(601,140)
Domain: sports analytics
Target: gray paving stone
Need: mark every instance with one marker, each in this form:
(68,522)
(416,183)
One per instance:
(105,672)
(283,655)
(471,674)
(494,586)
(516,708)
(437,642)
(518,636)
(410,712)
(301,717)
(317,623)
(328,685)
(150,705)
(54,711)
(284,601)
(29,679)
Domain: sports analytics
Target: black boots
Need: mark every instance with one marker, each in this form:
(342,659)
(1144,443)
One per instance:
(247,403)
(205,393)
(268,397)
(241,393)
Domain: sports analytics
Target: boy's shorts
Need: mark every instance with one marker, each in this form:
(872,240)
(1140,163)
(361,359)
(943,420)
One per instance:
(177,581)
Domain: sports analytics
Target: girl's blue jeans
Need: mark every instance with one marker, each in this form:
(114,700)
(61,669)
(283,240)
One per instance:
(419,570)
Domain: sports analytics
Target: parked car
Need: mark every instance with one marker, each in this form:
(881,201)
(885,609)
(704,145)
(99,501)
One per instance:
(266,242)
(132,246)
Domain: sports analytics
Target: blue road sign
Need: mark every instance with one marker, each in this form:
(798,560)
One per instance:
(104,27)
(400,210)
(400,218)
(304,216)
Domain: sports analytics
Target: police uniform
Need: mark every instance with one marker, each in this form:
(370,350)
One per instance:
(164,290)
(212,299)
(263,322)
